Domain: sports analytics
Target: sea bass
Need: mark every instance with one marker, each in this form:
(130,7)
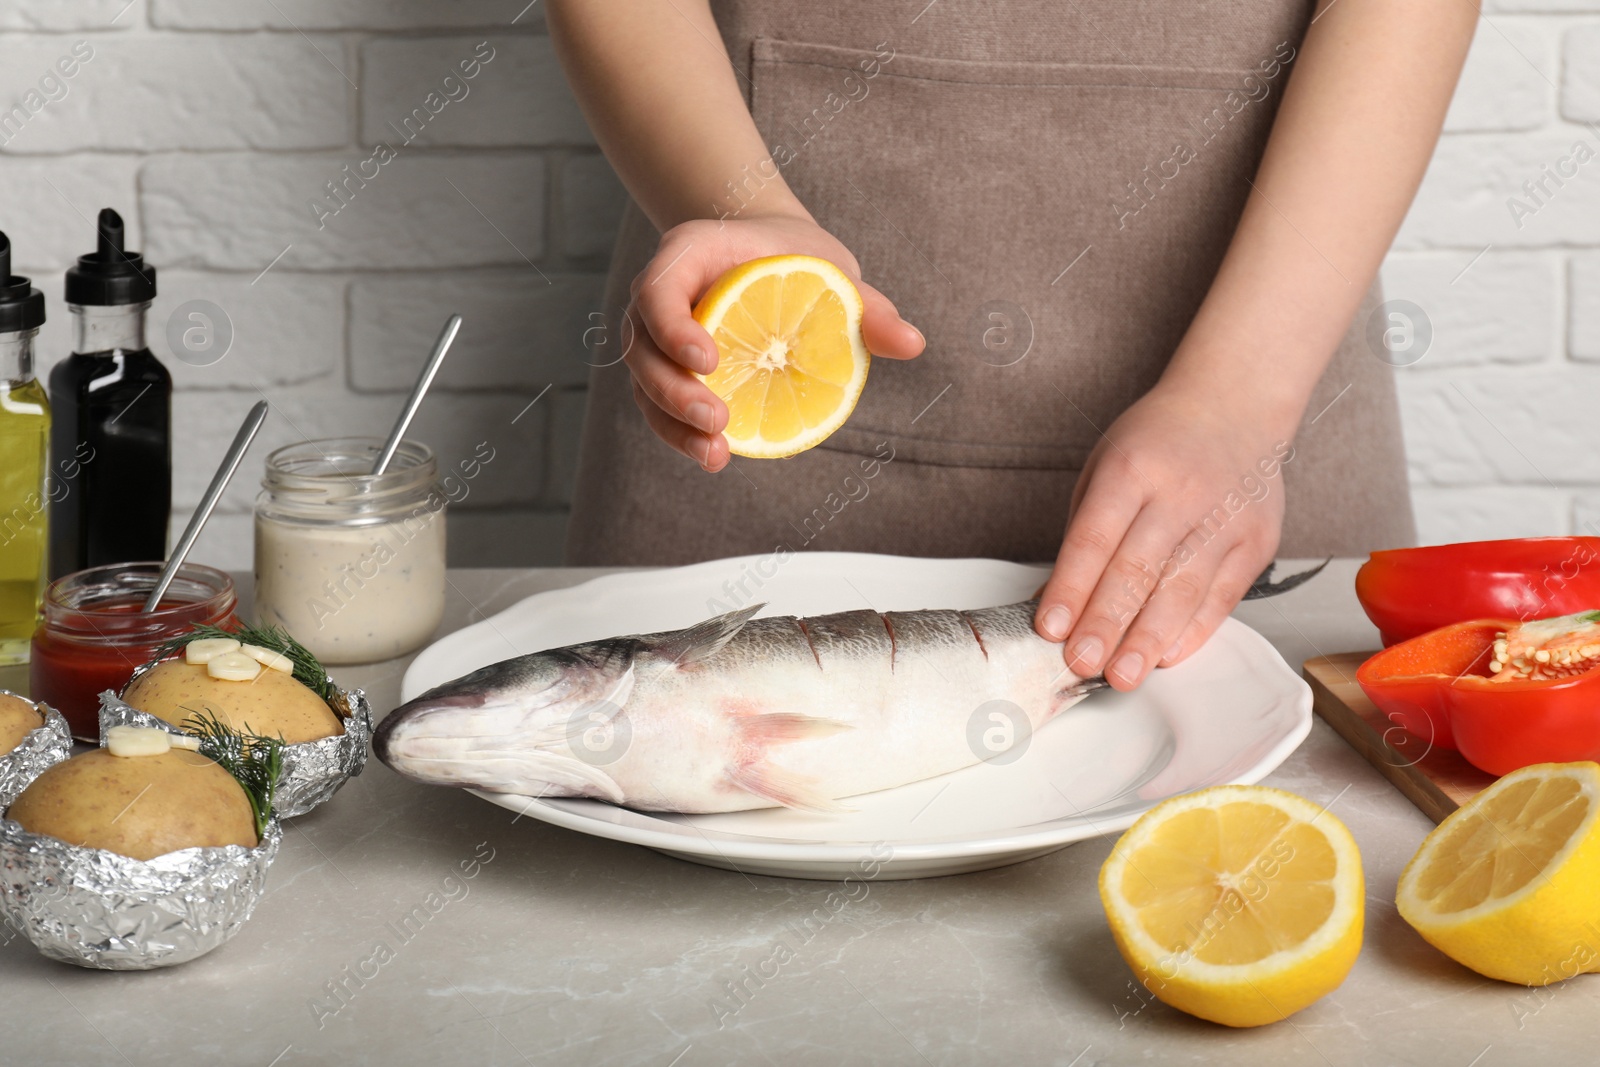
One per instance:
(739,712)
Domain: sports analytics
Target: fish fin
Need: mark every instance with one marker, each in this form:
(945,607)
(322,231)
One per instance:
(783,787)
(705,638)
(774,783)
(1082,688)
(784,727)
(1070,694)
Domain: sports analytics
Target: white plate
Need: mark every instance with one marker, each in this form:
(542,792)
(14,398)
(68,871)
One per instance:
(1231,713)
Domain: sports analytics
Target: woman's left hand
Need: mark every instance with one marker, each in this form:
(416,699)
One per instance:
(1178,509)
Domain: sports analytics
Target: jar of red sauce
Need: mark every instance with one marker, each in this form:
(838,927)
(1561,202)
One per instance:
(96,632)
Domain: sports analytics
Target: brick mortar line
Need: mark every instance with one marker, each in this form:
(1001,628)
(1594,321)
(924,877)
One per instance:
(356,274)
(347,335)
(1495,371)
(1470,249)
(1561,328)
(352,51)
(309,153)
(364,33)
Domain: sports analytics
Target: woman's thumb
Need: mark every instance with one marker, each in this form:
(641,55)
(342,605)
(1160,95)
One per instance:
(884,331)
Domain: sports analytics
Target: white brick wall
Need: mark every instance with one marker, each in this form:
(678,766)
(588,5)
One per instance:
(517,98)
(1501,433)
(214,127)
(172,92)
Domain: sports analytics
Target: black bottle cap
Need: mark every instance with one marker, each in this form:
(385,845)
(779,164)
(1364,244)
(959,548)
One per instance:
(21,305)
(110,276)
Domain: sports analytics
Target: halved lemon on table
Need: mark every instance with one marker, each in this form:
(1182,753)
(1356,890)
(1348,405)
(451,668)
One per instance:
(791,361)
(1240,904)
(1509,883)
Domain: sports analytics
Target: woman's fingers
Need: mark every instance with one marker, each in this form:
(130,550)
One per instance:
(665,293)
(711,452)
(1128,581)
(1184,581)
(1093,535)
(884,331)
(676,391)
(1232,581)
(678,407)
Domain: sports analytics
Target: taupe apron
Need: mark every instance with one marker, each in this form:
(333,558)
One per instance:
(1046,189)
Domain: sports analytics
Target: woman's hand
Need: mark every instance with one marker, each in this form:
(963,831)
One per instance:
(662,96)
(668,343)
(1177,511)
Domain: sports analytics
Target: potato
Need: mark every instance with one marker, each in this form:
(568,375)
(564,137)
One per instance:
(139,806)
(272,704)
(17,718)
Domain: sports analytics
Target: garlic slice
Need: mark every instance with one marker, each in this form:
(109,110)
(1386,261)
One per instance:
(233,667)
(130,741)
(208,648)
(268,657)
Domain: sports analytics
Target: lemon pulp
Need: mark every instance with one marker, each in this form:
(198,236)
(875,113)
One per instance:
(791,362)
(1238,904)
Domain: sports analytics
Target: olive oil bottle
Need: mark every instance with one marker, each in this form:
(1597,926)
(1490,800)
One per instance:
(24,441)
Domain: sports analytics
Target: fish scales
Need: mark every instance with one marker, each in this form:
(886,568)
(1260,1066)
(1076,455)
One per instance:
(739,712)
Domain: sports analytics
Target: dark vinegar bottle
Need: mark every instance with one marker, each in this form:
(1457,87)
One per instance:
(112,406)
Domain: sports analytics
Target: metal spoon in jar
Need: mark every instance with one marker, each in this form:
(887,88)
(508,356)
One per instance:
(219,482)
(447,337)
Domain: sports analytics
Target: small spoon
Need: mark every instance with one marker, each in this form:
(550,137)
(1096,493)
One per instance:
(446,338)
(219,482)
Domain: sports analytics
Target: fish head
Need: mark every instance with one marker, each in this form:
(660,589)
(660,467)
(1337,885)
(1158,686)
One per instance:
(524,725)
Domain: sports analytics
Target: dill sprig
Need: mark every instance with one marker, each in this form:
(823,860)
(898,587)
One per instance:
(255,762)
(307,670)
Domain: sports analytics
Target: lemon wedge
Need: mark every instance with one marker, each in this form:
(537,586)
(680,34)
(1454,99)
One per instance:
(1239,904)
(791,361)
(1506,884)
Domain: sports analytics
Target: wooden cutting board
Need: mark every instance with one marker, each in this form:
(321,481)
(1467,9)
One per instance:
(1436,780)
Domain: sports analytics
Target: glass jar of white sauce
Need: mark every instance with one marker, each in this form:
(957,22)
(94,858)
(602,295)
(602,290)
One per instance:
(351,564)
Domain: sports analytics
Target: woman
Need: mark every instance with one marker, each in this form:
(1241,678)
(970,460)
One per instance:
(1140,241)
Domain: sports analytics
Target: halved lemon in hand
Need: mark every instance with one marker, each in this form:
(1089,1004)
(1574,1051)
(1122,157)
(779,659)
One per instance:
(1239,903)
(791,361)
(1507,884)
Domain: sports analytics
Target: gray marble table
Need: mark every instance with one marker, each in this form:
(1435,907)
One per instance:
(563,949)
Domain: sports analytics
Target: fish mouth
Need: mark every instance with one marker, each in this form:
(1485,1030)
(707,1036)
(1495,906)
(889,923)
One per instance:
(389,739)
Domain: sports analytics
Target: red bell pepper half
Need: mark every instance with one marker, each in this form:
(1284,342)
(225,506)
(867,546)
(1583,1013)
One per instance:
(1410,591)
(1482,687)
